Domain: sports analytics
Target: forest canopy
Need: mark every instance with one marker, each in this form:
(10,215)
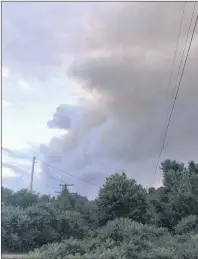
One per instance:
(124,221)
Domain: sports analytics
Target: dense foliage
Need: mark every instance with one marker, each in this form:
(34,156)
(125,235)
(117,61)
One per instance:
(125,221)
(122,197)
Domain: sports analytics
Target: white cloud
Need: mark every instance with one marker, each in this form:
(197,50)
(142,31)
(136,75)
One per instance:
(7,172)
(24,85)
(6,103)
(5,72)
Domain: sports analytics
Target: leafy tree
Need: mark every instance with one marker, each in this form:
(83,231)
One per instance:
(120,238)
(187,224)
(27,228)
(172,165)
(193,167)
(6,195)
(45,198)
(63,200)
(125,220)
(122,197)
(23,197)
(88,209)
(178,197)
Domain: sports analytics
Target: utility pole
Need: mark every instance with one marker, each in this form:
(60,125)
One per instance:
(65,186)
(32,174)
(64,199)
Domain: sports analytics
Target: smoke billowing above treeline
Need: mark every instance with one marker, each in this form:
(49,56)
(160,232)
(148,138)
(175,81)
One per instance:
(122,62)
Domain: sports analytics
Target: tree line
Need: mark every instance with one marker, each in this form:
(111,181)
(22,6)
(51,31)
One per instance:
(124,221)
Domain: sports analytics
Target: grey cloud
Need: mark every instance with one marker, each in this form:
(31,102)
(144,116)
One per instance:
(20,170)
(17,154)
(127,64)
(143,24)
(35,36)
(60,119)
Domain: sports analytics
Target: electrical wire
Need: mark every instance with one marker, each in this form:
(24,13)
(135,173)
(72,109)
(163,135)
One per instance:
(180,81)
(181,62)
(175,99)
(54,178)
(77,178)
(170,78)
(178,37)
(184,49)
(174,58)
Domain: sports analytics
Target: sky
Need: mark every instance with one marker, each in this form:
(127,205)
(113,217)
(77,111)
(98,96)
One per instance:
(86,89)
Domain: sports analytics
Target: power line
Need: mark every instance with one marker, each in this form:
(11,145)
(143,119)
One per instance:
(171,74)
(54,178)
(64,187)
(174,58)
(184,49)
(175,98)
(181,60)
(77,178)
(180,80)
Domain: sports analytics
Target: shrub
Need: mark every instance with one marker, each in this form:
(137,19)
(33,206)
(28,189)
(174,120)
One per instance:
(26,229)
(187,224)
(121,238)
(58,250)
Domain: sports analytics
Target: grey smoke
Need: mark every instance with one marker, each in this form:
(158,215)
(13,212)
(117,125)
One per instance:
(60,119)
(124,60)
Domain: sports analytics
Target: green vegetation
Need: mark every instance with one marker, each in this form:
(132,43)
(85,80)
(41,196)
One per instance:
(125,221)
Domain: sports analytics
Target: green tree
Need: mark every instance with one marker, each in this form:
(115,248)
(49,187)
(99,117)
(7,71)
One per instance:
(193,167)
(63,200)
(22,198)
(178,197)
(88,209)
(171,165)
(122,197)
(6,195)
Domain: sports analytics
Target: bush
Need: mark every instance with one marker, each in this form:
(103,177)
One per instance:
(121,238)
(58,250)
(125,221)
(26,229)
(188,249)
(187,224)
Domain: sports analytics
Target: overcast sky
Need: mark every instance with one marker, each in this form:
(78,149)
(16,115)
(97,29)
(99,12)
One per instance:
(85,88)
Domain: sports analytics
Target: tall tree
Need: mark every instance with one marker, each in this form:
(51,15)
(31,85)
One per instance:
(63,200)
(122,197)
(178,197)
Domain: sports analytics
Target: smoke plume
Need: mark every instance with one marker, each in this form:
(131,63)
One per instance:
(122,61)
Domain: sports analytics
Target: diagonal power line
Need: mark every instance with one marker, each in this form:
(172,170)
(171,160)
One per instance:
(166,131)
(180,80)
(184,49)
(181,60)
(170,79)
(174,58)
(58,169)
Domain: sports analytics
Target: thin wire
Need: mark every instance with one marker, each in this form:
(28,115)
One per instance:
(169,83)
(172,68)
(175,98)
(174,58)
(54,178)
(184,49)
(180,80)
(181,60)
(67,173)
